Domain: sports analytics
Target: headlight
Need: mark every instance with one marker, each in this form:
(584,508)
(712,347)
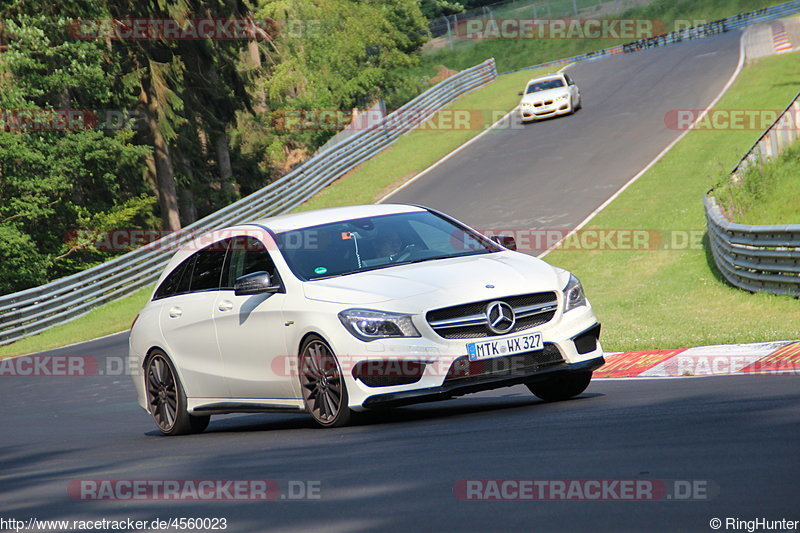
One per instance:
(563,97)
(573,294)
(368,325)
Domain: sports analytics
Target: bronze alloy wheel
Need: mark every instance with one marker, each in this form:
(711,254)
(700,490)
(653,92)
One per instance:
(324,390)
(166,399)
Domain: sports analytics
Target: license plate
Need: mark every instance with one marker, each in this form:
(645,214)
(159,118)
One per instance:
(502,347)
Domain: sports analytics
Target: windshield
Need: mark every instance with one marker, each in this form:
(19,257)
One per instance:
(364,244)
(545,85)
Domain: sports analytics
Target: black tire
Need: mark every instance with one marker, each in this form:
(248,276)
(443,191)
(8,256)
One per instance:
(562,387)
(324,389)
(167,400)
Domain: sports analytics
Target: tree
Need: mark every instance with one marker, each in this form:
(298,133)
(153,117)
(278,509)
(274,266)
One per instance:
(334,55)
(55,164)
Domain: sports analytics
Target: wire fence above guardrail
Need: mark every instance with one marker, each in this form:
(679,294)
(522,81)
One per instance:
(39,308)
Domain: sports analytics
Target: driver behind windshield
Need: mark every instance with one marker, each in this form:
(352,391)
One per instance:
(389,243)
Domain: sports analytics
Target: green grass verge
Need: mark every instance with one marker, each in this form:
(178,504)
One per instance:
(421,148)
(676,298)
(765,195)
(107,319)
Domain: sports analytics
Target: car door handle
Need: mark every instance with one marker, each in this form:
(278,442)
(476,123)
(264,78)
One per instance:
(175,312)
(225,305)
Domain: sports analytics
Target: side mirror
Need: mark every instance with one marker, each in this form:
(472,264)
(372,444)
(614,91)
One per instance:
(256,283)
(520,93)
(506,241)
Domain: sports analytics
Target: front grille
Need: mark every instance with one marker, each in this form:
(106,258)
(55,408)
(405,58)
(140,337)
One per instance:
(468,321)
(464,370)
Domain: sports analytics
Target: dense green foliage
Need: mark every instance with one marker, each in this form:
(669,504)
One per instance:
(102,133)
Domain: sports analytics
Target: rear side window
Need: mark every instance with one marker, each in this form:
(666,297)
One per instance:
(177,282)
(199,272)
(208,268)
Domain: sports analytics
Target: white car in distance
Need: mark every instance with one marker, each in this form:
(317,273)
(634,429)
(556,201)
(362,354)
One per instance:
(340,310)
(549,96)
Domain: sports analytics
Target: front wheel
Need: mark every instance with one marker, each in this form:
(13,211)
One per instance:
(324,390)
(167,400)
(561,387)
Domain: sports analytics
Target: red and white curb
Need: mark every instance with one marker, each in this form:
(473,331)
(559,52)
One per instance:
(780,39)
(766,358)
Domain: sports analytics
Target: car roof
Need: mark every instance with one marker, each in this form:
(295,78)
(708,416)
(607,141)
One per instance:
(317,217)
(543,78)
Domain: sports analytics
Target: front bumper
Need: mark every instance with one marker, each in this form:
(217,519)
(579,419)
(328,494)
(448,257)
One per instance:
(569,345)
(459,387)
(540,113)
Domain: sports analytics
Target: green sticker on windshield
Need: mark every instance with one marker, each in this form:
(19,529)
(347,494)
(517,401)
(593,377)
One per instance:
(320,270)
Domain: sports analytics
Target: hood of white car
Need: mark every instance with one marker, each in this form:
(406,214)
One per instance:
(441,282)
(550,94)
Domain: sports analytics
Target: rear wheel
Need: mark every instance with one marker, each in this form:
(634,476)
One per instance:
(561,387)
(166,398)
(324,391)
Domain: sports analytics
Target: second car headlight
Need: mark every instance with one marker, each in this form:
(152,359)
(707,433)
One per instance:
(563,97)
(573,294)
(369,325)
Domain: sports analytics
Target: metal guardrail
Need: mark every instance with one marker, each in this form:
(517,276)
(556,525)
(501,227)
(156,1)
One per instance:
(39,308)
(759,258)
(709,29)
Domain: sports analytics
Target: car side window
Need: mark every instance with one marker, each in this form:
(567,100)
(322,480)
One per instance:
(245,256)
(569,80)
(208,267)
(177,282)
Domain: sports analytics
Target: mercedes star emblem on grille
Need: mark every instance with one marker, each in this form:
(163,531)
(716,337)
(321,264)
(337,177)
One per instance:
(500,317)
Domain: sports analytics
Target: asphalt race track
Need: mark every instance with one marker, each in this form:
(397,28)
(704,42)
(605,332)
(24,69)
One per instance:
(554,173)
(396,471)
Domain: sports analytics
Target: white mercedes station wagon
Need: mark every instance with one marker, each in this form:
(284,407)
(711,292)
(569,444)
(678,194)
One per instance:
(549,96)
(348,309)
